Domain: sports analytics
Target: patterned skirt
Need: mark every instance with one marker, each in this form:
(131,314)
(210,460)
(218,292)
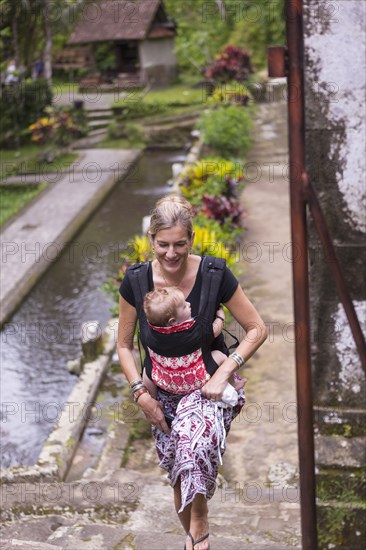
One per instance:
(193,450)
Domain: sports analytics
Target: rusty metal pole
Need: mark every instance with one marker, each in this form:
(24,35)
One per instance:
(296,121)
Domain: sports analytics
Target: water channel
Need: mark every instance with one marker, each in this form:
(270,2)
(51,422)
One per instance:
(44,333)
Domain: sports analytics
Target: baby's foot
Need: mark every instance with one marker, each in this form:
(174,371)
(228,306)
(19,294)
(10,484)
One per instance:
(239,383)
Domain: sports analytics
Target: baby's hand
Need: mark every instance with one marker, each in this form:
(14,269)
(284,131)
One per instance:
(218,323)
(220,313)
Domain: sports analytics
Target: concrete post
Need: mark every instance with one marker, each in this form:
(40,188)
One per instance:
(335,85)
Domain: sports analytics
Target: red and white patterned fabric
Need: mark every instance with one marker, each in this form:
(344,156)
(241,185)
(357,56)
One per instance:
(193,450)
(178,375)
(184,325)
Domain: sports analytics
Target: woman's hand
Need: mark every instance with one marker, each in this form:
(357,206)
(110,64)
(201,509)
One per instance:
(214,388)
(153,410)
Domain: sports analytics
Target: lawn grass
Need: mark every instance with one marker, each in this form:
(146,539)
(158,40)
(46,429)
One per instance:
(37,166)
(71,88)
(14,198)
(26,159)
(179,94)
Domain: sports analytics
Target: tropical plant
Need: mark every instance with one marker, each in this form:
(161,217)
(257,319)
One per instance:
(56,127)
(220,176)
(39,23)
(232,63)
(261,24)
(230,93)
(207,241)
(227,130)
(222,209)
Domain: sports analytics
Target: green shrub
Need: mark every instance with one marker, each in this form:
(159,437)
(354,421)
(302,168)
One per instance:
(227,130)
(138,109)
(129,131)
(37,95)
(20,105)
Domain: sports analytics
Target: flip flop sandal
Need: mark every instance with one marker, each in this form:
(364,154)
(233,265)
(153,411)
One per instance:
(194,542)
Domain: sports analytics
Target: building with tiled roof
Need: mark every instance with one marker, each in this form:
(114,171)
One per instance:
(142,36)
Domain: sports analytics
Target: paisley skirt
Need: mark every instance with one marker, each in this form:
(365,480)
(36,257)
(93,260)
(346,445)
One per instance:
(193,450)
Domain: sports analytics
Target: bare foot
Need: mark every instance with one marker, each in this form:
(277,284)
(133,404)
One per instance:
(239,383)
(202,545)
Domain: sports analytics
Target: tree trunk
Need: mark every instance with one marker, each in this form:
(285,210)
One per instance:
(221,8)
(15,42)
(47,51)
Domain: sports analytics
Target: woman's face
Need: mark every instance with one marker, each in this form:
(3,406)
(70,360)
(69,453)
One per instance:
(172,248)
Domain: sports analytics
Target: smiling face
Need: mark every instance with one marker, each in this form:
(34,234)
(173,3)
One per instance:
(172,247)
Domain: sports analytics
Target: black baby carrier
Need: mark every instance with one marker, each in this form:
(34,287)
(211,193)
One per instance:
(200,336)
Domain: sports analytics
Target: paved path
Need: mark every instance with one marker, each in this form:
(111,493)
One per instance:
(256,505)
(92,100)
(31,242)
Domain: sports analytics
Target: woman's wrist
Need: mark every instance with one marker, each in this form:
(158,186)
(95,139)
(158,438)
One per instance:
(138,388)
(140,391)
(238,359)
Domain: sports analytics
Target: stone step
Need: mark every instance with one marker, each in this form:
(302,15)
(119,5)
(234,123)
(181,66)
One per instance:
(59,532)
(95,113)
(99,123)
(27,544)
(242,517)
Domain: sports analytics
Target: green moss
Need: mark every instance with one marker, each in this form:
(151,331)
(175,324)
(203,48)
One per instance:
(341,485)
(341,526)
(127,542)
(341,508)
(59,461)
(140,429)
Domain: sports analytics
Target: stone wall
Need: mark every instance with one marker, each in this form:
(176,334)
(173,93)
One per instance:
(335,86)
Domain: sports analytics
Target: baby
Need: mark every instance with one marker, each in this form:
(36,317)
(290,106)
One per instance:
(167,307)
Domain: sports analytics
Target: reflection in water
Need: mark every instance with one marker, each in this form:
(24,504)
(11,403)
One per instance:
(44,333)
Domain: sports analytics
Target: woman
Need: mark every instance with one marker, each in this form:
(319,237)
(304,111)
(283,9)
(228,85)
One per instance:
(171,237)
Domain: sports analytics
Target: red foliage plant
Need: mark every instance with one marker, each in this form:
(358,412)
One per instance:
(232,63)
(222,209)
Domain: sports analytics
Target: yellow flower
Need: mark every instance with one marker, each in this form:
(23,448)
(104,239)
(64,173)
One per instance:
(141,248)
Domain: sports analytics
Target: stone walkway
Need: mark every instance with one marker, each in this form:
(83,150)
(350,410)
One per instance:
(32,241)
(256,505)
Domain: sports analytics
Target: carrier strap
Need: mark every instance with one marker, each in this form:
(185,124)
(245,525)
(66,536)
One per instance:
(212,273)
(139,282)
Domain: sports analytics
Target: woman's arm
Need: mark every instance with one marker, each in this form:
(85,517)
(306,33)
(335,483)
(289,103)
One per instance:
(126,329)
(255,334)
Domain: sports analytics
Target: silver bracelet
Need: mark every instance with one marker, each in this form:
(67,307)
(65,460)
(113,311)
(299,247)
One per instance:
(135,382)
(239,360)
(136,387)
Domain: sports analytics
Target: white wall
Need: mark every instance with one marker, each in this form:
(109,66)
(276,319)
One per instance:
(335,89)
(157,52)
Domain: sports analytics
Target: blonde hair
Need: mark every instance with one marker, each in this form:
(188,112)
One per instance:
(170,211)
(161,304)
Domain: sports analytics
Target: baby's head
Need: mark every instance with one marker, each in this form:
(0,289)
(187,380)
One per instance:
(166,306)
